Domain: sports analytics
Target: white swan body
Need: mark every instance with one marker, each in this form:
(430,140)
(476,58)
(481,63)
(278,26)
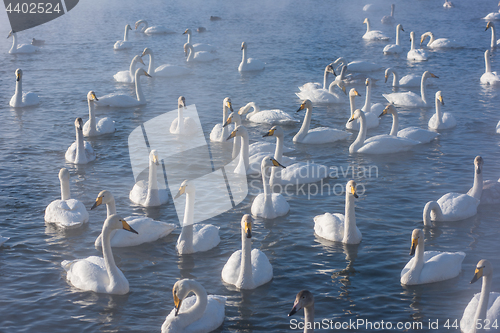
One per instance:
(389,19)
(199,46)
(129,75)
(80,152)
(316,85)
(196,314)
(23,48)
(318,135)
(20,99)
(249,64)
(416,54)
(305,300)
(148,193)
(440,43)
(410,98)
(372,111)
(124,44)
(100,275)
(448,4)
(219,133)
(66,213)
(269,205)
(413,133)
(492,16)
(338,227)
(271,117)
(148,229)
(429,266)
(441,120)
(323,96)
(379,144)
(124,101)
(194,237)
(152,30)
(395,48)
(494,40)
(165,70)
(484,307)
(373,34)
(247,268)
(410,80)
(200,56)
(489,77)
(185,127)
(96,126)
(358,66)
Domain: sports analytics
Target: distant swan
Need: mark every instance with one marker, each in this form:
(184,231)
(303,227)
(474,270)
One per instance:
(409,80)
(129,75)
(219,133)
(152,30)
(96,126)
(270,117)
(416,54)
(165,70)
(448,4)
(494,41)
(373,34)
(23,48)
(199,56)
(323,96)
(316,85)
(305,300)
(124,44)
(187,125)
(199,46)
(80,152)
(122,100)
(148,193)
(440,43)
(413,133)
(410,98)
(389,19)
(489,77)
(441,120)
(22,99)
(249,64)
(395,48)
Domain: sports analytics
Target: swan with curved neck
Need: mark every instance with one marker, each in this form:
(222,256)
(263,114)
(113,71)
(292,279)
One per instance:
(494,41)
(124,44)
(165,70)
(96,126)
(20,99)
(97,274)
(270,117)
(123,101)
(198,46)
(373,34)
(23,48)
(488,77)
(441,120)
(197,56)
(186,125)
(149,194)
(395,48)
(194,237)
(409,80)
(151,30)
(429,266)
(416,54)
(413,133)
(200,313)
(410,98)
(129,76)
(219,133)
(80,152)
(249,64)
(440,43)
(305,300)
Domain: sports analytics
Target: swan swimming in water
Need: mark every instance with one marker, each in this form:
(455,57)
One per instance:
(373,34)
(441,120)
(199,313)
(129,75)
(124,44)
(448,4)
(489,77)
(96,126)
(416,54)
(187,125)
(66,212)
(490,193)
(23,48)
(122,100)
(22,99)
(249,64)
(493,15)
(247,268)
(152,30)
(395,48)
(323,96)
(484,307)
(199,56)
(389,19)
(199,46)
(338,227)
(440,43)
(429,266)
(410,98)
(271,117)
(316,85)
(148,193)
(80,152)
(305,300)
(219,132)
(97,274)
(409,80)
(165,70)
(494,41)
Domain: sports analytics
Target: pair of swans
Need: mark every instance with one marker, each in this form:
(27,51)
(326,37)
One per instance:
(148,229)
(129,75)
(187,125)
(489,77)
(148,193)
(375,35)
(413,133)
(22,99)
(199,46)
(96,126)
(80,152)
(124,44)
(441,120)
(66,213)
(194,237)
(455,206)
(389,19)
(247,268)
(22,48)
(124,101)
(200,313)
(372,111)
(494,41)
(271,117)
(100,274)
(490,193)
(484,307)
(249,64)
(416,54)
(151,30)
(440,43)
(429,266)
(305,300)
(338,227)
(410,98)
(409,80)
(395,48)
(318,135)
(197,56)
(165,70)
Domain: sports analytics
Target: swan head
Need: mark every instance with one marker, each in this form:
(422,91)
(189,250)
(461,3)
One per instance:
(11,33)
(187,32)
(186,187)
(269,162)
(307,104)
(478,164)
(416,236)
(366,21)
(488,25)
(181,290)
(147,50)
(483,268)
(19,74)
(79,124)
(138,23)
(227,103)
(439,98)
(233,117)
(141,71)
(181,102)
(429,74)
(412,35)
(425,35)
(388,109)
(353,92)
(138,58)
(387,72)
(64,174)
(303,299)
(239,130)
(128,27)
(368,82)
(91,96)
(243,46)
(400,27)
(329,69)
(246,225)
(350,188)
(104,197)
(357,114)
(115,222)
(275,131)
(153,157)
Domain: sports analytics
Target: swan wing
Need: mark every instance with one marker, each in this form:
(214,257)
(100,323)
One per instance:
(87,274)
(319,96)
(25,48)
(392,48)
(231,271)
(204,47)
(204,56)
(417,134)
(362,66)
(408,98)
(417,55)
(272,117)
(491,192)
(375,35)
(117,100)
(67,214)
(30,99)
(322,135)
(311,86)
(439,266)
(387,144)
(490,78)
(265,147)
(122,45)
(262,270)
(410,80)
(171,71)
(330,226)
(444,43)
(277,207)
(105,125)
(457,206)
(468,322)
(205,237)
(302,173)
(124,77)
(158,29)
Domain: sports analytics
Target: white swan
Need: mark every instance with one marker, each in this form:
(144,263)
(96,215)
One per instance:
(489,77)
(441,120)
(194,237)
(187,125)
(96,126)
(124,101)
(305,300)
(484,307)
(448,4)
(129,75)
(413,133)
(490,189)
(416,54)
(338,227)
(395,48)
(318,135)
(80,152)
(429,266)
(148,229)
(66,213)
(316,85)
(100,275)
(165,70)
(148,193)
(20,99)
(410,98)
(199,56)
(373,34)
(271,117)
(247,268)
(199,313)
(440,43)
(455,206)
(379,144)
(219,132)
(389,19)
(493,15)
(124,44)
(3,240)
(23,48)
(409,80)
(352,124)
(372,111)
(152,30)
(199,46)
(358,66)
(494,41)
(323,96)
(249,64)
(269,205)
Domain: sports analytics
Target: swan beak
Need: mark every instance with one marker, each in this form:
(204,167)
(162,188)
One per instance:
(155,160)
(177,303)
(270,133)
(367,82)
(232,135)
(230,106)
(182,190)
(97,203)
(146,73)
(296,307)
(240,111)
(351,120)
(276,163)
(353,192)
(343,89)
(440,98)
(384,112)
(357,93)
(94,97)
(386,78)
(228,121)
(487,26)
(127,227)
(129,28)
(414,243)
(477,275)
(302,106)
(185,32)
(248,229)
(402,28)
(366,20)
(18,77)
(10,34)
(142,62)
(434,76)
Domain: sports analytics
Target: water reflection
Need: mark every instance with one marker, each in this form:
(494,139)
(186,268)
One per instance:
(186,266)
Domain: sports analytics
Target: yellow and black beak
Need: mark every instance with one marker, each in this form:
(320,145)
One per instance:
(351,120)
(232,135)
(384,112)
(440,98)
(414,243)
(269,133)
(276,163)
(155,160)
(477,274)
(302,106)
(97,203)
(146,73)
(177,303)
(367,82)
(94,97)
(248,229)
(434,76)
(142,62)
(185,32)
(353,192)
(386,77)
(182,190)
(228,121)
(18,76)
(127,227)
(487,26)
(230,106)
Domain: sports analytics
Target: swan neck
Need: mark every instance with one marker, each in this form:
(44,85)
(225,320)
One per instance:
(152,183)
(92,121)
(111,208)
(350,217)
(265,184)
(419,262)
(432,206)
(304,129)
(278,152)
(151,66)
(325,79)
(422,88)
(186,237)
(412,43)
(368,106)
(244,151)
(493,36)
(65,191)
(439,114)
(195,312)
(14,42)
(360,139)
(244,55)
(191,53)
(180,119)
(398,40)
(477,188)
(189,37)
(125,36)
(80,146)
(395,124)
(109,260)
(19,92)
(309,319)
(351,102)
(484,298)
(245,278)
(487,64)
(395,79)
(367,26)
(138,88)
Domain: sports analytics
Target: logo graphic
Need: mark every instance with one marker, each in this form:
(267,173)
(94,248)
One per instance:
(187,156)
